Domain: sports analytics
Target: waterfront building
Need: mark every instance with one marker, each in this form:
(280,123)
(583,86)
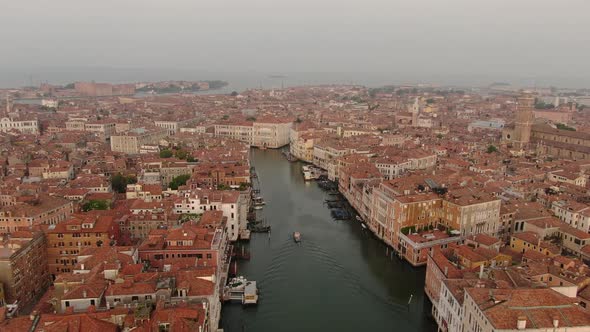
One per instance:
(271,132)
(230,202)
(491,310)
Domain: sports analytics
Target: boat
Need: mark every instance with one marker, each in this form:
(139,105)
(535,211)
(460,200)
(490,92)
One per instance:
(363,225)
(358,218)
(257,207)
(307,176)
(297,237)
(258,200)
(259,228)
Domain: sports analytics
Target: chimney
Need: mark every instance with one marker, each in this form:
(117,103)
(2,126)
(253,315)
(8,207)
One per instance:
(521,323)
(555,321)
(84,294)
(481,271)
(446,271)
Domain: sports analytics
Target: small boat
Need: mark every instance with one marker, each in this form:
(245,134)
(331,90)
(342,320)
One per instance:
(363,225)
(258,200)
(257,207)
(358,218)
(307,176)
(297,237)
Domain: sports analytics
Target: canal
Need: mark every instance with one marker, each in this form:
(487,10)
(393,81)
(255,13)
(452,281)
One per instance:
(340,278)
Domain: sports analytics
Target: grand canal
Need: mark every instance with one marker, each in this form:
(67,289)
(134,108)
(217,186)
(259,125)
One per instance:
(340,278)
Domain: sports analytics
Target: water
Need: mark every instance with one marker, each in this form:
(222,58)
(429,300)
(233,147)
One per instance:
(339,278)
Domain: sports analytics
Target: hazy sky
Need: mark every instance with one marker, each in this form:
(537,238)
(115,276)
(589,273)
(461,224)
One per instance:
(516,38)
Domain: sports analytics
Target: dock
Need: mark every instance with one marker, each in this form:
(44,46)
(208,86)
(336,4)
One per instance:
(241,290)
(245,235)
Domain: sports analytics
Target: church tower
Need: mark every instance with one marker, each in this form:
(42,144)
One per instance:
(524,120)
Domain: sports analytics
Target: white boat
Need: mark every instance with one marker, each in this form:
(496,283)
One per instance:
(307,176)
(363,226)
(297,237)
(258,200)
(257,207)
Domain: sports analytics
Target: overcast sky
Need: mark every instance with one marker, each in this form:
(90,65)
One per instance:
(512,38)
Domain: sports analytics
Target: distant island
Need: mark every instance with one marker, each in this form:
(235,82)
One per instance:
(94,89)
(180,86)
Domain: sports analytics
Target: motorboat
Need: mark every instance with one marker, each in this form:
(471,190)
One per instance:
(297,237)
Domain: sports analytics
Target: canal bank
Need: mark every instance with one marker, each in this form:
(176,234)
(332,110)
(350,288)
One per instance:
(340,278)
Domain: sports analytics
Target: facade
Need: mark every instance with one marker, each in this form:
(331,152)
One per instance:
(102,129)
(272,134)
(42,210)
(520,137)
(23,267)
(231,203)
(241,131)
(24,126)
(67,240)
(132,141)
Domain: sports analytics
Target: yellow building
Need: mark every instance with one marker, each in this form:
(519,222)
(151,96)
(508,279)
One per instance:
(525,241)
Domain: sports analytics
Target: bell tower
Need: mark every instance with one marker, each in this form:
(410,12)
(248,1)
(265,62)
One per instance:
(524,120)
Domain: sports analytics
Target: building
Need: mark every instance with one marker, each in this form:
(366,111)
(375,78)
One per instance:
(66,240)
(230,202)
(39,210)
(92,89)
(23,267)
(519,135)
(238,130)
(132,141)
(561,143)
(541,309)
(25,126)
(271,133)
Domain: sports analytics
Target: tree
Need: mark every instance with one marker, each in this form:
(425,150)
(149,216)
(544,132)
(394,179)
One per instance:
(251,118)
(119,183)
(492,149)
(223,186)
(179,181)
(190,159)
(165,153)
(430,101)
(225,117)
(563,126)
(234,93)
(95,205)
(181,154)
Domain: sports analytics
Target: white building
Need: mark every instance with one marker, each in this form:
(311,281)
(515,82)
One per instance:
(230,202)
(30,126)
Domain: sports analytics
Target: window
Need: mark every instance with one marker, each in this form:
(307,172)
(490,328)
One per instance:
(67,304)
(209,256)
